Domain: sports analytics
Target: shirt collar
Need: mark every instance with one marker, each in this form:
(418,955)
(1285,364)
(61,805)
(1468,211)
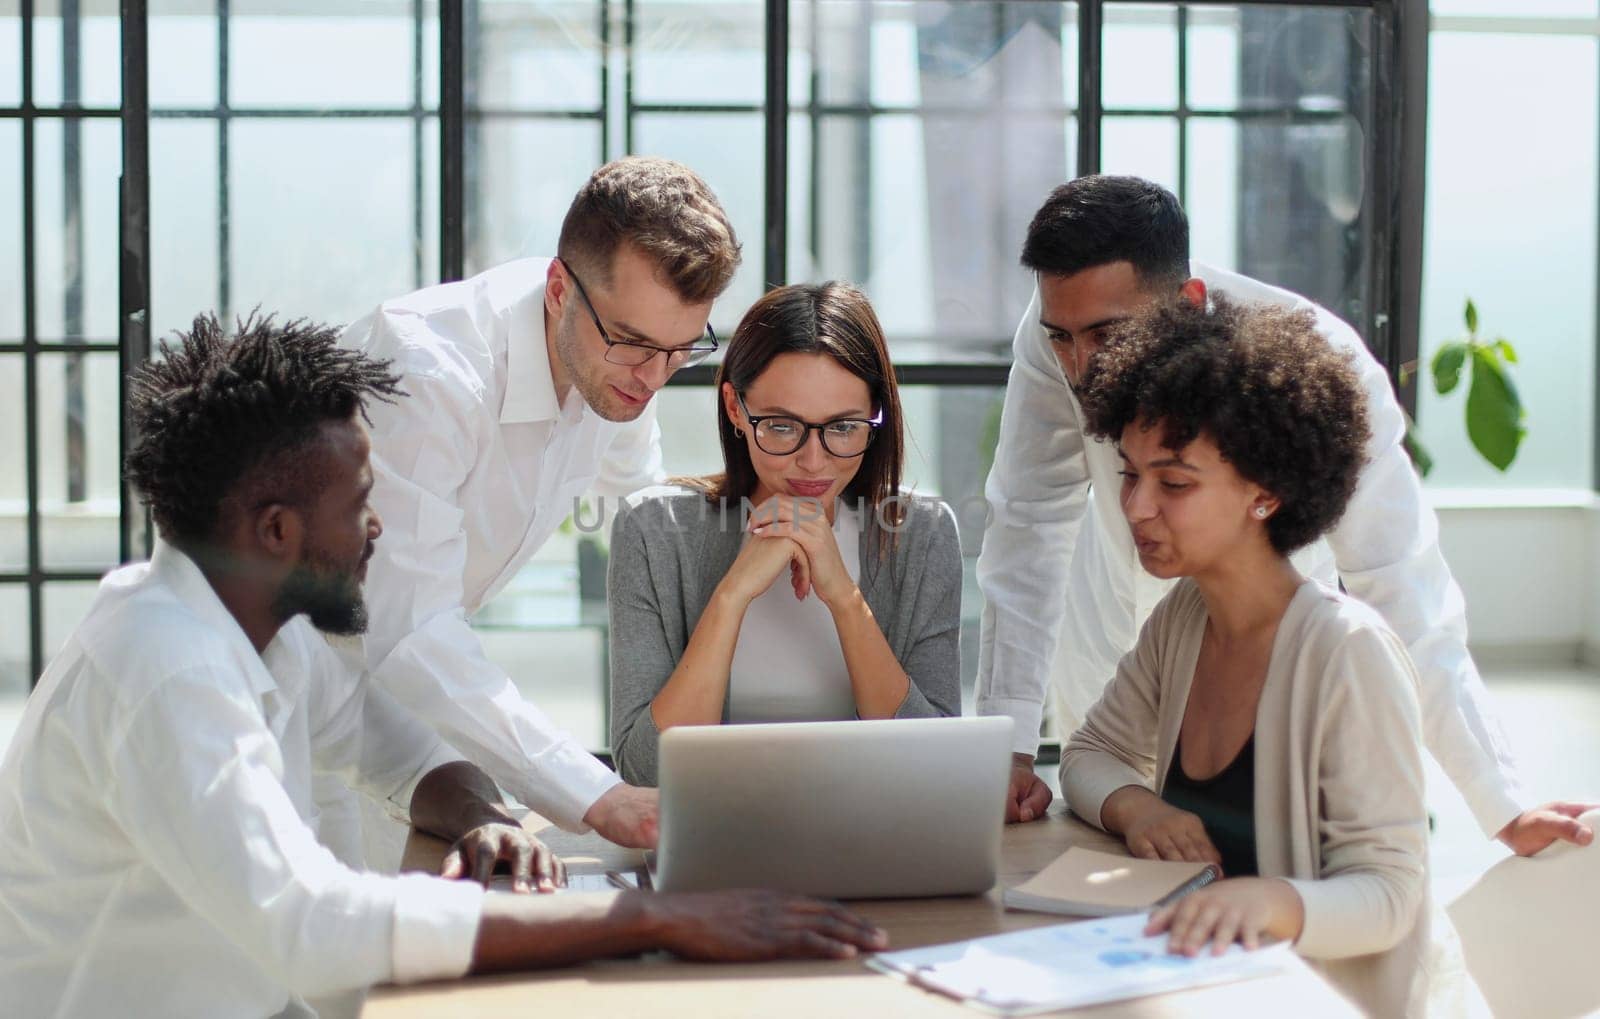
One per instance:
(172,567)
(530,391)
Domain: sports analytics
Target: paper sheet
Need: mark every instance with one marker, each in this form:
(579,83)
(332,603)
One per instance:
(1069,965)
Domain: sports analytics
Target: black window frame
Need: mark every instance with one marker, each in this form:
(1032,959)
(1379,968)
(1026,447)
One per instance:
(1395,170)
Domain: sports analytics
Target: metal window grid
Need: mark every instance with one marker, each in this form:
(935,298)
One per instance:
(1399,40)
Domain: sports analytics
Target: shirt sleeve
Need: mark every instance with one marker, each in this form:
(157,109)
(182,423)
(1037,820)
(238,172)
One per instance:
(192,778)
(364,736)
(1372,814)
(1387,550)
(1037,493)
(419,644)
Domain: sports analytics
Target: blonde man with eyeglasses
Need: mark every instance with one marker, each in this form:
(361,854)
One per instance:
(530,385)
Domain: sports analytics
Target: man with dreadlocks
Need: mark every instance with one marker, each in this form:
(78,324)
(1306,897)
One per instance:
(159,850)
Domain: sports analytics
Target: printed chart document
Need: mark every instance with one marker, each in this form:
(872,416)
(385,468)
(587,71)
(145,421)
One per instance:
(1082,882)
(1070,965)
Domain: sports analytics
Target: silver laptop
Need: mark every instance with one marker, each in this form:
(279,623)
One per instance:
(866,809)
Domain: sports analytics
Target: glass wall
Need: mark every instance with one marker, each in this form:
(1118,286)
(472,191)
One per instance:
(920,138)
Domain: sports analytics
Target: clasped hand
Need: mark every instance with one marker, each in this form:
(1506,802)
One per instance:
(793,532)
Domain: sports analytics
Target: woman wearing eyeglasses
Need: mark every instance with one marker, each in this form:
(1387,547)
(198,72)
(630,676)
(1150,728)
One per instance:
(799,584)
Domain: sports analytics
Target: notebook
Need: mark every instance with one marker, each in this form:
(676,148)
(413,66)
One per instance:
(1082,882)
(1071,965)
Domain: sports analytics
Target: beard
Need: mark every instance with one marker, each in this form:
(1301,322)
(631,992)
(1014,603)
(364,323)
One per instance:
(326,592)
(589,379)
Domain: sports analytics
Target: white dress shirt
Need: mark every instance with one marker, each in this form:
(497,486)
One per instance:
(1059,567)
(158,851)
(788,664)
(474,469)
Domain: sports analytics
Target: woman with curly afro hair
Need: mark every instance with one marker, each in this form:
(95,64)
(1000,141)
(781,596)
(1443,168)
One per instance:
(1263,722)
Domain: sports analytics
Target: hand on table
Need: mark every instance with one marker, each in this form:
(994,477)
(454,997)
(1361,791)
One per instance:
(1534,829)
(1242,909)
(749,926)
(628,815)
(1156,830)
(1027,796)
(475,854)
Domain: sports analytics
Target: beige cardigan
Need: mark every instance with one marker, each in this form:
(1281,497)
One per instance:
(1339,808)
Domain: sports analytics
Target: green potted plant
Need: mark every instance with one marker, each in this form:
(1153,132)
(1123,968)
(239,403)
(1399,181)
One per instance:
(1494,413)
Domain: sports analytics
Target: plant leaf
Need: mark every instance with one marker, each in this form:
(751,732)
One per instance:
(1447,364)
(1506,350)
(1472,317)
(1420,457)
(1494,411)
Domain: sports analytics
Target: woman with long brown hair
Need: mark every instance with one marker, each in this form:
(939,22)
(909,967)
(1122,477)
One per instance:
(800,584)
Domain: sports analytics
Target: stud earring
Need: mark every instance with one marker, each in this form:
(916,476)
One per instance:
(1261,512)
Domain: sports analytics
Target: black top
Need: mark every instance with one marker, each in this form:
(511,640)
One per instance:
(1225,803)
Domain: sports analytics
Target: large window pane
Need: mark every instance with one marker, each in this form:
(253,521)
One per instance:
(350,239)
(1511,223)
(1516,8)
(1212,80)
(939,129)
(688,417)
(694,52)
(79,464)
(1139,67)
(851,52)
(347,54)
(1212,201)
(1304,211)
(1143,146)
(11,230)
(13,658)
(1279,191)
(544,55)
(184,188)
(13,472)
(183,55)
(951,436)
(429,211)
(726,149)
(10,56)
(511,211)
(547,629)
(76,62)
(65,605)
(76,166)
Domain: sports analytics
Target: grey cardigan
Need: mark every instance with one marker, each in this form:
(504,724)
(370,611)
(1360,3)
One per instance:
(669,552)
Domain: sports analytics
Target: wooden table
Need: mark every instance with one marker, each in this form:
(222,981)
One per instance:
(660,986)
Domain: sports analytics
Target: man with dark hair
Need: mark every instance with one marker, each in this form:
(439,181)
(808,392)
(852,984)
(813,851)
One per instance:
(1059,567)
(531,384)
(159,844)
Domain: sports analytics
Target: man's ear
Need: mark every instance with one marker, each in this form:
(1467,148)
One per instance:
(1193,292)
(279,531)
(555,287)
